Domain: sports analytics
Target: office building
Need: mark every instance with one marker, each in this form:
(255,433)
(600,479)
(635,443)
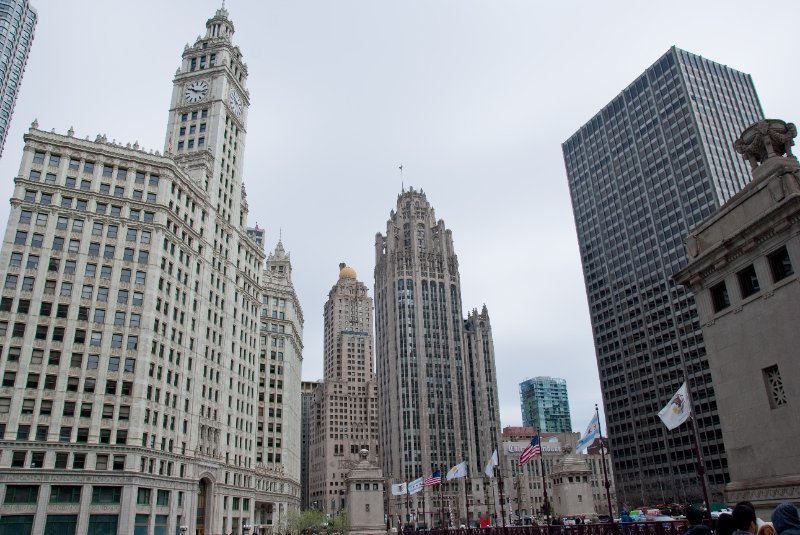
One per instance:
(17,23)
(278,447)
(437,392)
(654,162)
(344,410)
(742,270)
(545,404)
(307,393)
(130,325)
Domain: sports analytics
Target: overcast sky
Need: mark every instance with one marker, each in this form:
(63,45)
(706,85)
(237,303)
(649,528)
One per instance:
(473,98)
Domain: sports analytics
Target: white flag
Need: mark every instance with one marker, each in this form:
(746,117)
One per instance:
(489,470)
(592,432)
(677,410)
(415,486)
(459,470)
(400,489)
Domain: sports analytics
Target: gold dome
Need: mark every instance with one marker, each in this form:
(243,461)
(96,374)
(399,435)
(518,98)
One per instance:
(346,272)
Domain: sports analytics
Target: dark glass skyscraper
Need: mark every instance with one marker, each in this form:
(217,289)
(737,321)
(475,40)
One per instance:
(17,21)
(654,162)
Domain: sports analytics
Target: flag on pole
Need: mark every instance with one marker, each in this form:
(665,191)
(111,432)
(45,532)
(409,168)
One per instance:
(435,479)
(459,470)
(415,486)
(592,432)
(489,470)
(533,450)
(399,489)
(677,410)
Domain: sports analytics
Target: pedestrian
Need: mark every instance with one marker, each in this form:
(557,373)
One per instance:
(744,519)
(695,518)
(785,519)
(725,524)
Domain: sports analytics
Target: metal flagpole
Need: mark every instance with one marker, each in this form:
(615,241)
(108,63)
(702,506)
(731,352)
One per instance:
(544,481)
(441,496)
(701,465)
(603,458)
(494,502)
(500,489)
(466,498)
(408,498)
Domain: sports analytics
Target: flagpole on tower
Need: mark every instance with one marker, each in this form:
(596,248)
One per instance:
(606,484)
(502,497)
(402,185)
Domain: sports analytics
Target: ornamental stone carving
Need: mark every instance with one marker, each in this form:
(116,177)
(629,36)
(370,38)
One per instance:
(766,139)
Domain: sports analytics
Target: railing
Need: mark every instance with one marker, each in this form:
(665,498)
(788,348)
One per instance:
(673,527)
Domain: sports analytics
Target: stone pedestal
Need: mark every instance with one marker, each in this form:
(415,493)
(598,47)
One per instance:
(365,498)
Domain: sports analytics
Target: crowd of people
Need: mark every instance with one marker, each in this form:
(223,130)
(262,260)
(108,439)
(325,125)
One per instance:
(744,521)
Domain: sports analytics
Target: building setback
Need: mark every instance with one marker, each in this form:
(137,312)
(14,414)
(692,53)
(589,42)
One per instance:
(437,386)
(344,409)
(545,404)
(743,269)
(130,325)
(17,23)
(654,162)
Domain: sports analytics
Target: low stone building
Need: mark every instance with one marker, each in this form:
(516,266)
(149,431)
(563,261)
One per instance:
(365,498)
(741,270)
(523,489)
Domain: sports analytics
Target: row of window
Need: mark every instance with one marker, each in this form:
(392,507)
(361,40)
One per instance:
(54,265)
(111,231)
(88,167)
(780,266)
(65,434)
(86,185)
(33,381)
(46,199)
(129,254)
(22,494)
(87,291)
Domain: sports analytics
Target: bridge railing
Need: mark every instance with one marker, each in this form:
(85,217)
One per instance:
(671,527)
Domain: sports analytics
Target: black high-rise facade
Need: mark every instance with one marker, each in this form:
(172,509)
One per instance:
(654,162)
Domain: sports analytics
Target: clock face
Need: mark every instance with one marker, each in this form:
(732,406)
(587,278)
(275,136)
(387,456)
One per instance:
(196,91)
(236,102)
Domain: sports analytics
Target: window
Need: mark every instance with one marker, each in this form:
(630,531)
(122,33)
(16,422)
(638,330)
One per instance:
(119,318)
(25,217)
(127,254)
(133,342)
(41,220)
(101,208)
(141,276)
(87,292)
(774,385)
(6,304)
(97,229)
(105,272)
(135,214)
(91,270)
(113,231)
(94,249)
(116,211)
(130,367)
(138,194)
(748,281)
(139,177)
(60,524)
(149,217)
(92,362)
(86,185)
(122,174)
(21,238)
(162,497)
(135,320)
(65,494)
(9,378)
(46,199)
(11,281)
(62,459)
(780,264)
(96,339)
(116,340)
(143,496)
(37,240)
(122,297)
(16,260)
(35,176)
(74,246)
(66,202)
(108,170)
(101,461)
(125,275)
(99,315)
(27,284)
(79,461)
(38,158)
(138,298)
(106,494)
(30,196)
(102,293)
(21,493)
(33,262)
(55,160)
(119,191)
(69,266)
(144,257)
(66,289)
(108,251)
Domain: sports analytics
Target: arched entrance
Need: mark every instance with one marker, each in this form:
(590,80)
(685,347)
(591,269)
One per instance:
(204,503)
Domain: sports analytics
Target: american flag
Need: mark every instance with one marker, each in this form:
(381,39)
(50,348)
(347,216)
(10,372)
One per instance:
(531,451)
(435,479)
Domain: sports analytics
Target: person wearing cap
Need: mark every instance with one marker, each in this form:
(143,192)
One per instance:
(785,519)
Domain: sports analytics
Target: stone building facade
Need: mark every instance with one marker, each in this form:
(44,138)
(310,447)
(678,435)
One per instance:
(436,372)
(344,409)
(278,442)
(743,271)
(523,486)
(653,163)
(130,325)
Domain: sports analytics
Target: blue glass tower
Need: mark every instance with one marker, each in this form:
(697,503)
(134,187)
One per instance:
(17,22)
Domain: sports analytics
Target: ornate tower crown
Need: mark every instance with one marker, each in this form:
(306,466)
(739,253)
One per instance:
(219,25)
(770,139)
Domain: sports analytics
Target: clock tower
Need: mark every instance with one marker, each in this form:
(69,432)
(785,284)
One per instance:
(208,115)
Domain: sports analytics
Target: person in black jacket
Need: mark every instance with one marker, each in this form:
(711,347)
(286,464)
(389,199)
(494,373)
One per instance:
(695,518)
